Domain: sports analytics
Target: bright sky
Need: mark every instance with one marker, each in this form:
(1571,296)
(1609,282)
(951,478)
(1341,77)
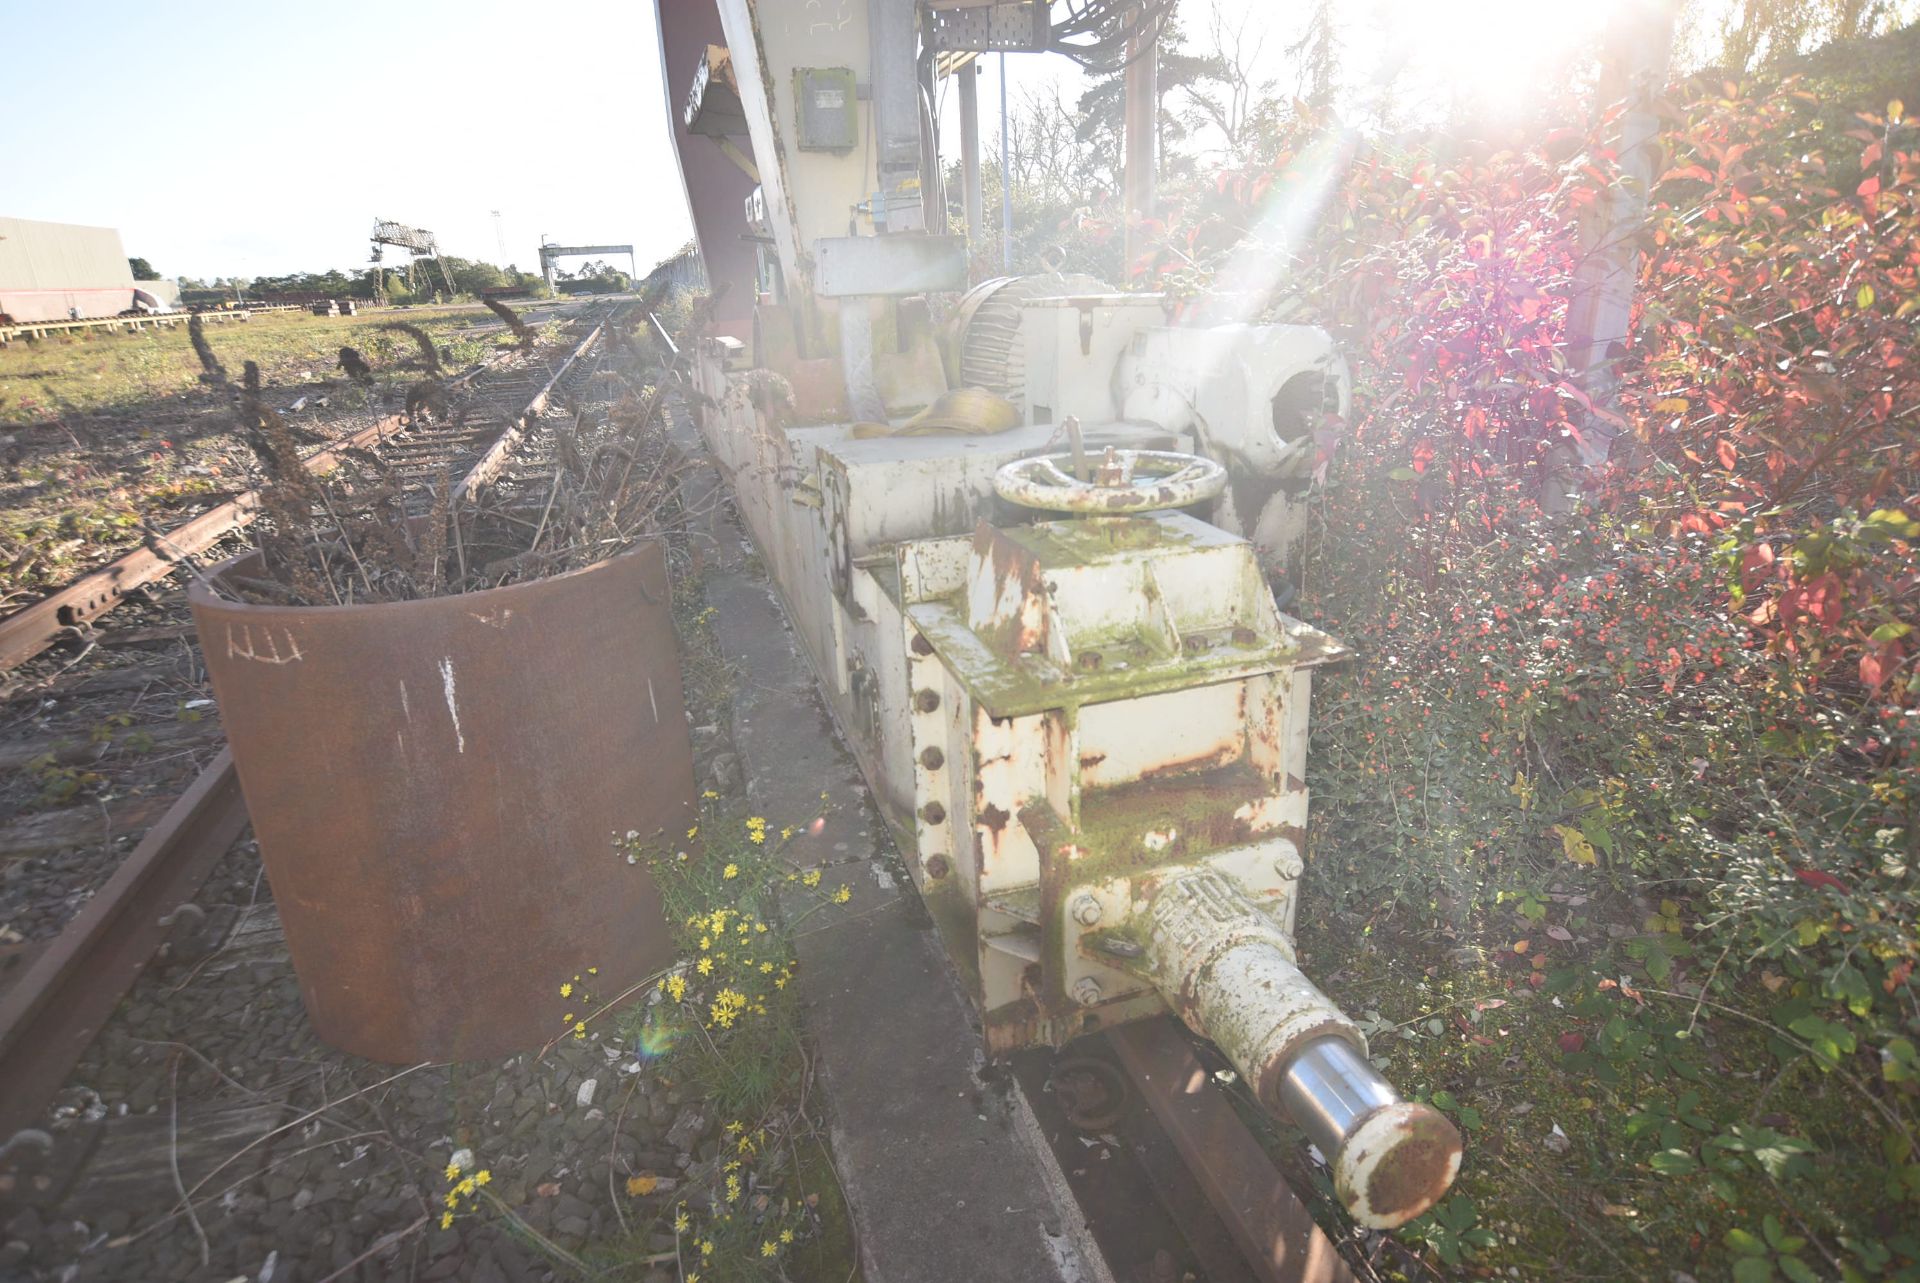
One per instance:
(249,139)
(1496,55)
(268,137)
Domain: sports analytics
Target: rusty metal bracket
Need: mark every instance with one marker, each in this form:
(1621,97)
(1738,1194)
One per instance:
(1268,1221)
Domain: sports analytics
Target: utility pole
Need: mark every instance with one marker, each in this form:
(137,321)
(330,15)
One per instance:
(1006,179)
(969,76)
(1141,113)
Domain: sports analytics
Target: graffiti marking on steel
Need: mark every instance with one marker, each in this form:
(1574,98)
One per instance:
(453,706)
(247,648)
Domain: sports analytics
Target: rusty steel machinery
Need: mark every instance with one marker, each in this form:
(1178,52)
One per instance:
(1051,638)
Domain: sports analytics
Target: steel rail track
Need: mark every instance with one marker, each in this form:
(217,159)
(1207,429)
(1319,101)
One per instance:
(1196,1159)
(1266,1221)
(35,330)
(1168,1175)
(31,629)
(51,1013)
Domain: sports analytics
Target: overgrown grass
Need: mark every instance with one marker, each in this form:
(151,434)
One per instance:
(1637,1130)
(94,371)
(109,430)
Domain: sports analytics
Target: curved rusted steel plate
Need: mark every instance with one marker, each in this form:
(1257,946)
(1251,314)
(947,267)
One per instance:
(437,785)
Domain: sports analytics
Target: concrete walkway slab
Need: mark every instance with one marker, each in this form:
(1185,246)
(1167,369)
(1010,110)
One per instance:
(947,1179)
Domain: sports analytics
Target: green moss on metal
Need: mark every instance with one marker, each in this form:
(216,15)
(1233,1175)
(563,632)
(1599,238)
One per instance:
(1091,539)
(957,921)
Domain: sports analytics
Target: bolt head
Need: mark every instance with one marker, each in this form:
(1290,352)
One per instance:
(1085,909)
(1288,863)
(1086,991)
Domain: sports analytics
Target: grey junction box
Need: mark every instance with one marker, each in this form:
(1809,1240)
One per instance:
(827,107)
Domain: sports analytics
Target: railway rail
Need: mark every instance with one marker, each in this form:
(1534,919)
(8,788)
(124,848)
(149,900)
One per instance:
(35,330)
(1199,1197)
(62,990)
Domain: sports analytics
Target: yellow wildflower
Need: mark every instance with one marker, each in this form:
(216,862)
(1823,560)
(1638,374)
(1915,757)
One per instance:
(593,971)
(453,1171)
(465,1187)
(566,990)
(766,968)
(767,1248)
(706,1247)
(844,894)
(567,1019)
(694,831)
(452,1199)
(483,1177)
(786,1236)
(580,1027)
(446,1220)
(706,942)
(681,1222)
(811,878)
(706,966)
(733,1189)
(676,987)
(786,833)
(731,871)
(727,1005)
(709,794)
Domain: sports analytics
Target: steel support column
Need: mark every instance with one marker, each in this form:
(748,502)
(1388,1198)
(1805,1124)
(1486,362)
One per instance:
(715,185)
(1006,179)
(969,78)
(892,47)
(1142,100)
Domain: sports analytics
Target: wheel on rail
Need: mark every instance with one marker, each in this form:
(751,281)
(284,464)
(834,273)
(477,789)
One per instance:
(1091,1092)
(1121,481)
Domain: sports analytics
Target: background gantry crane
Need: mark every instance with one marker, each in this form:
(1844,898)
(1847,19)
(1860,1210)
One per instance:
(417,241)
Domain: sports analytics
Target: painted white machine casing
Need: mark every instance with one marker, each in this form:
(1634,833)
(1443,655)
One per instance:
(1222,384)
(1092,700)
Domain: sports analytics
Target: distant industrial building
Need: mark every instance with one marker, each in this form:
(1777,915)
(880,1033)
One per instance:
(62,271)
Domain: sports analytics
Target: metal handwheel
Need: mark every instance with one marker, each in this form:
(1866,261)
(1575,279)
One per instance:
(1123,481)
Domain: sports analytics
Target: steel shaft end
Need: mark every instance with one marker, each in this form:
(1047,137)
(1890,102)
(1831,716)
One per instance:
(1397,1163)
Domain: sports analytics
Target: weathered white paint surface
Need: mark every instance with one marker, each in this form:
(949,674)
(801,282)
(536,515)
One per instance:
(453,703)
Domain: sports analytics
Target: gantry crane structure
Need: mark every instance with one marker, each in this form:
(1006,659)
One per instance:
(417,241)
